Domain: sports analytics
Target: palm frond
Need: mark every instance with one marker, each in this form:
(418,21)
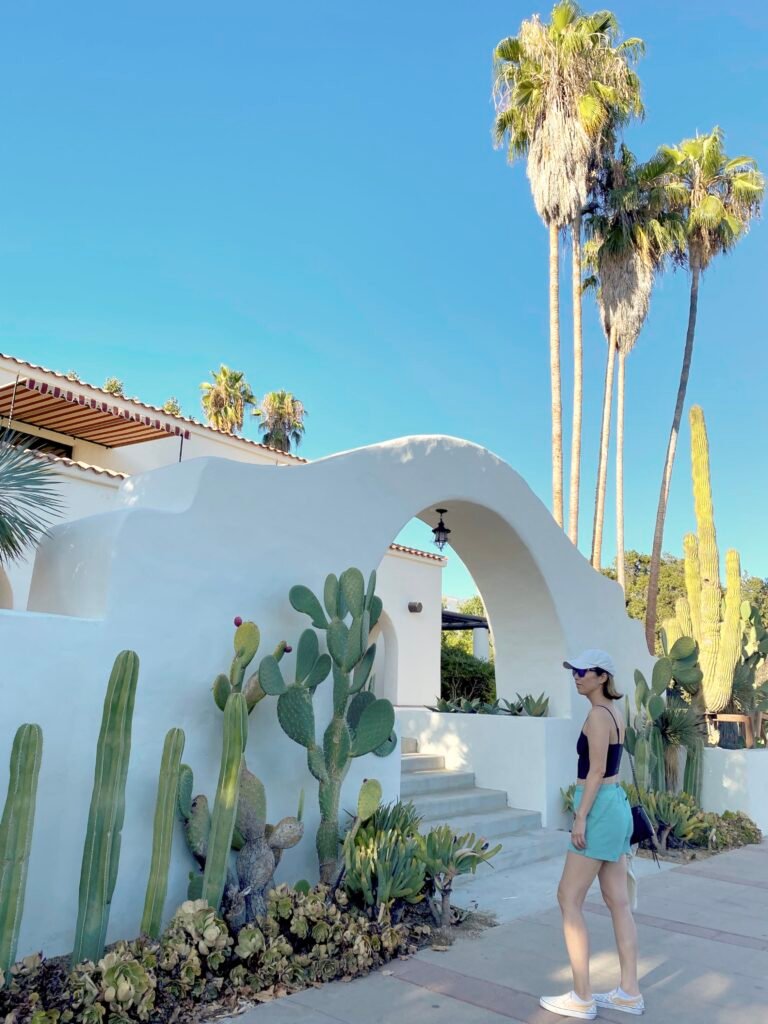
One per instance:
(29,498)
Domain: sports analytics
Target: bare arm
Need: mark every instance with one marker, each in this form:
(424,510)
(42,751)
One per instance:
(597,729)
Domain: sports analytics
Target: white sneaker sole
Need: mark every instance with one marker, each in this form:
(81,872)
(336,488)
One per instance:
(636,1011)
(560,1011)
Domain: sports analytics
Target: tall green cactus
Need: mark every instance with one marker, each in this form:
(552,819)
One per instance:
(16,836)
(101,852)
(712,620)
(360,723)
(224,815)
(162,833)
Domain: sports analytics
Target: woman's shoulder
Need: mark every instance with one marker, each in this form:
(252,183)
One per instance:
(602,716)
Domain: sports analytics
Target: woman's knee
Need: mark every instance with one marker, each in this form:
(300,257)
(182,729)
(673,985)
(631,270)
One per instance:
(568,898)
(615,898)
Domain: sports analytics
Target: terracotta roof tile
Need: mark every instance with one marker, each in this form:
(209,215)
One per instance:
(71,463)
(144,405)
(418,553)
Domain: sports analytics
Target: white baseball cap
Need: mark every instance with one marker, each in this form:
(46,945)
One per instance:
(592,658)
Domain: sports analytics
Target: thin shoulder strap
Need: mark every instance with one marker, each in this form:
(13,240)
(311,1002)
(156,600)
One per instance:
(618,730)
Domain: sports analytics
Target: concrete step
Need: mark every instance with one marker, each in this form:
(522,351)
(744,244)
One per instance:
(518,850)
(495,825)
(440,807)
(421,783)
(408,745)
(421,763)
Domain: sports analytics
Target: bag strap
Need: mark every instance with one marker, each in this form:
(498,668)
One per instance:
(615,721)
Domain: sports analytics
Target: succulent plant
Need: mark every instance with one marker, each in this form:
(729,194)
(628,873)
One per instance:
(446,855)
(247,640)
(16,836)
(384,869)
(360,724)
(162,833)
(101,852)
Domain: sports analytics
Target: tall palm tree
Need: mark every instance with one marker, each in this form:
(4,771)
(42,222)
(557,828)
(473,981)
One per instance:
(225,400)
(281,420)
(29,498)
(559,90)
(630,234)
(717,197)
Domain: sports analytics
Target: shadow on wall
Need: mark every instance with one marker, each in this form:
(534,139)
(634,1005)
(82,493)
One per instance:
(385,665)
(6,593)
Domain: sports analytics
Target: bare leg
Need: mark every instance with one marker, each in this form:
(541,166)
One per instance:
(613,884)
(578,874)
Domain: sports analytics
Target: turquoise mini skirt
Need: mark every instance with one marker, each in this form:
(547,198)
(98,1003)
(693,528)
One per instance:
(609,823)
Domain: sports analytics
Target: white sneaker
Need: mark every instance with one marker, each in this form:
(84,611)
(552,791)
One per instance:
(616,1000)
(570,1006)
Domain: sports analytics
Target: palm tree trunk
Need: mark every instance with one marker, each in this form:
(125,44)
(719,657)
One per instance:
(602,469)
(661,511)
(578,377)
(554,375)
(620,564)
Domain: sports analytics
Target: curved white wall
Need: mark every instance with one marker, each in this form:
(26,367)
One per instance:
(192,545)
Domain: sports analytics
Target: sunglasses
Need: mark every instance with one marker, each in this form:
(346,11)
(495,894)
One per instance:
(581,672)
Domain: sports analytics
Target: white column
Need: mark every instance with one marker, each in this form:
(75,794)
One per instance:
(480,645)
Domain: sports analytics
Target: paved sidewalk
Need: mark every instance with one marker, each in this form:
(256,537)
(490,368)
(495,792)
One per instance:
(703,932)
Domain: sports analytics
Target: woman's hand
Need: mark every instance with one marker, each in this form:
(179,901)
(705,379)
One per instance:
(579,832)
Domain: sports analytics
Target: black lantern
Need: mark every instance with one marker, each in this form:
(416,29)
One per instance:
(441,531)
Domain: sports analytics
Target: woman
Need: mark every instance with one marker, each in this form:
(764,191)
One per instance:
(600,836)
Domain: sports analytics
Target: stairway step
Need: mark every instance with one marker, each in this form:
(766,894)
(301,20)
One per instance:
(517,850)
(421,763)
(441,807)
(497,824)
(408,745)
(418,783)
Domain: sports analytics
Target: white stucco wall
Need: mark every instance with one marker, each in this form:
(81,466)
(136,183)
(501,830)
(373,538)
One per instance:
(190,546)
(736,780)
(411,667)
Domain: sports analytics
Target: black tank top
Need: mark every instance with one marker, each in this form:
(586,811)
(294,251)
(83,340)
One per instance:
(612,761)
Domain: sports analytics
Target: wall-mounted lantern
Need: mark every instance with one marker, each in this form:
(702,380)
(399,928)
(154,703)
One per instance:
(441,531)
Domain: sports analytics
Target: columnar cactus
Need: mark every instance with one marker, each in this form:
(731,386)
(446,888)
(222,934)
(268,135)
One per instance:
(224,815)
(360,724)
(162,833)
(16,836)
(712,619)
(101,853)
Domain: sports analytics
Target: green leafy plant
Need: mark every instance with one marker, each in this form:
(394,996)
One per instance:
(29,498)
(464,677)
(529,706)
(361,724)
(446,855)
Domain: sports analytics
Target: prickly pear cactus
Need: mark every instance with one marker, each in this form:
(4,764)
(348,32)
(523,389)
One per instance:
(361,724)
(246,643)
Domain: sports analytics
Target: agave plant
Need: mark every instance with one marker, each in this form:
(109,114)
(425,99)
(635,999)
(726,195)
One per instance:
(29,498)
(446,855)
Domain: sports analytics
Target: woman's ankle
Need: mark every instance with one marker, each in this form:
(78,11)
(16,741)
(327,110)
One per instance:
(633,991)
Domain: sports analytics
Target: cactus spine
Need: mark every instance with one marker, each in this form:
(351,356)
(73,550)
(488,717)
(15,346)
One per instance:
(101,853)
(715,624)
(162,834)
(225,806)
(361,724)
(16,836)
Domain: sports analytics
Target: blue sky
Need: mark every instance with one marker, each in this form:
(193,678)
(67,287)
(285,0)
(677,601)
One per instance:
(308,192)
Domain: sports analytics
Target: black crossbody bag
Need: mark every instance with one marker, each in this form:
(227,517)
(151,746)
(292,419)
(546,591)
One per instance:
(642,826)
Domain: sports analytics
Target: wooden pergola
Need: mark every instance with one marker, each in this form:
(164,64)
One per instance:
(72,412)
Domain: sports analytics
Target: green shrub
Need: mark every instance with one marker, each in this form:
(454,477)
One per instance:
(527,707)
(464,676)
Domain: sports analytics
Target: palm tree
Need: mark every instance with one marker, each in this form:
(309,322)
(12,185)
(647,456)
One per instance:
(560,90)
(282,420)
(630,234)
(717,197)
(225,399)
(29,498)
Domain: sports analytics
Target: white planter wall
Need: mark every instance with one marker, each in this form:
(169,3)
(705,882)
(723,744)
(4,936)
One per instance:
(736,780)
